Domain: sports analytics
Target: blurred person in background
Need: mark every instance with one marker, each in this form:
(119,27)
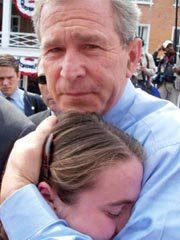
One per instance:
(166,78)
(145,70)
(46,96)
(28,103)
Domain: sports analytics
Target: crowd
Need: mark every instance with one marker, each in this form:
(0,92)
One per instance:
(159,76)
(96,156)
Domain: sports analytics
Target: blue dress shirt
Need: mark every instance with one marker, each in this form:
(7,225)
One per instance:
(156,214)
(17,98)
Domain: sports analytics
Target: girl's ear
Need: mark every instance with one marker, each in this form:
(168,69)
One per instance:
(52,198)
(48,193)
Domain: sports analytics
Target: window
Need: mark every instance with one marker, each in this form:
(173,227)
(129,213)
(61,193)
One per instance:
(15,23)
(143,32)
(177,3)
(143,1)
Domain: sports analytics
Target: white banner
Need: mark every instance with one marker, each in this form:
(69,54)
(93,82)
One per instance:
(25,7)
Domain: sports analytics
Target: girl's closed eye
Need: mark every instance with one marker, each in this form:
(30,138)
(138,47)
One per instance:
(114,213)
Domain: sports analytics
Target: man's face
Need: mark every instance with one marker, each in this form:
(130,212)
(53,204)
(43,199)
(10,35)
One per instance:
(85,63)
(170,49)
(47,98)
(102,211)
(9,80)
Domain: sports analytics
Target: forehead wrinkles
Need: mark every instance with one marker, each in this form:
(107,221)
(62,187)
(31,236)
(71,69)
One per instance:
(74,16)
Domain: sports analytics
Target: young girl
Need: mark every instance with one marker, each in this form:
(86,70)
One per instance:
(92,175)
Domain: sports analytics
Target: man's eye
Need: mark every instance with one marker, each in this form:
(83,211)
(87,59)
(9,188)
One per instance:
(56,50)
(91,46)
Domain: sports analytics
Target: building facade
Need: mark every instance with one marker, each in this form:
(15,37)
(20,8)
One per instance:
(16,31)
(158,21)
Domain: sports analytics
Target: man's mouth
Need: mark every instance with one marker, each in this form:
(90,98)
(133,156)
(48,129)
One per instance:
(6,89)
(76,94)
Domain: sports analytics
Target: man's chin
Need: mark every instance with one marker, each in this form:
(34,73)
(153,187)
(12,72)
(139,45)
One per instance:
(81,107)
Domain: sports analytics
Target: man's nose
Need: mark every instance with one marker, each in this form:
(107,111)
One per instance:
(5,82)
(73,66)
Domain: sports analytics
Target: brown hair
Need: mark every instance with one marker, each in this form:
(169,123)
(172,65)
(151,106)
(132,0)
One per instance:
(7,60)
(82,145)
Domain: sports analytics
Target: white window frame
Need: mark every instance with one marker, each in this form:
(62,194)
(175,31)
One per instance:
(144,2)
(19,22)
(174,4)
(145,38)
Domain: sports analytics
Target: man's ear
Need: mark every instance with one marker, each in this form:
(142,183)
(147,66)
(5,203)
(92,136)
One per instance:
(48,193)
(19,75)
(134,49)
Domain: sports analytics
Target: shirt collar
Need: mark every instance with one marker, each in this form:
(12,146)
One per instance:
(123,104)
(13,96)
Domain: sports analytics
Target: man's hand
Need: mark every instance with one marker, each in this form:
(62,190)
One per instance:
(24,162)
(143,69)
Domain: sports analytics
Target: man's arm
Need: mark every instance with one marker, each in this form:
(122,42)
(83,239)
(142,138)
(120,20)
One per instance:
(157,211)
(33,218)
(155,55)
(150,70)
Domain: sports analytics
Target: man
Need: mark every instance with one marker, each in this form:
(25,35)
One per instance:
(46,96)
(145,70)
(28,103)
(89,53)
(167,87)
(13,126)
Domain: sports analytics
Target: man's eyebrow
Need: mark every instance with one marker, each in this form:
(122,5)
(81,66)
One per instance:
(89,37)
(6,77)
(84,37)
(121,202)
(50,43)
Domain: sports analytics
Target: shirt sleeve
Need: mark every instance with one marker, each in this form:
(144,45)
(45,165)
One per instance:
(26,215)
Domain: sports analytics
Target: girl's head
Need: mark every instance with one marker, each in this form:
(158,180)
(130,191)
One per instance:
(95,173)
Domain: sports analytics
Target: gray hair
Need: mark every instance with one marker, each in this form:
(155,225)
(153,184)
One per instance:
(126,18)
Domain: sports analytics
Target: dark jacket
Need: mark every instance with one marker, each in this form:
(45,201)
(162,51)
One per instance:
(14,124)
(39,117)
(33,103)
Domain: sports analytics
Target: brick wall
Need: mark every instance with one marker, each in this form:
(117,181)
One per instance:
(161,17)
